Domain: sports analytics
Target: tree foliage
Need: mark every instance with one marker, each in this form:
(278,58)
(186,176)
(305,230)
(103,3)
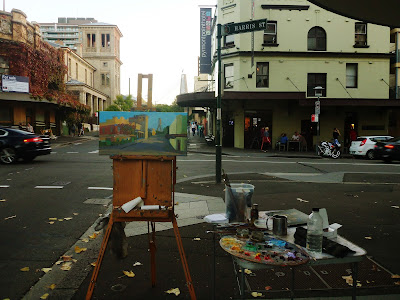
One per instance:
(174,107)
(121,103)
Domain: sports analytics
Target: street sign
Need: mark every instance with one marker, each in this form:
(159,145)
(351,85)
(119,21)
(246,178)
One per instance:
(317,107)
(250,26)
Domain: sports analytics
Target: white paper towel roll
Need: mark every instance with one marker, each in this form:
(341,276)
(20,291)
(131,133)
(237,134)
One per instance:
(128,206)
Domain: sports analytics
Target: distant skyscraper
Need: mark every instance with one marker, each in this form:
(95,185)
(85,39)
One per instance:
(184,88)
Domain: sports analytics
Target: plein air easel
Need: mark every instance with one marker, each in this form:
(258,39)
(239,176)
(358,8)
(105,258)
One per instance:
(153,178)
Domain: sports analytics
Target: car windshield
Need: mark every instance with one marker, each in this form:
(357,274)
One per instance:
(393,140)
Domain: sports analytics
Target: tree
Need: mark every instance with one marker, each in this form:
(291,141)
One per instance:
(122,103)
(174,107)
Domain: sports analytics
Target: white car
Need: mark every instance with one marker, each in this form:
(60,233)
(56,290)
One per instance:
(364,145)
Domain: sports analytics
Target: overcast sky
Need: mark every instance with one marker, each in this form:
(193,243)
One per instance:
(160,37)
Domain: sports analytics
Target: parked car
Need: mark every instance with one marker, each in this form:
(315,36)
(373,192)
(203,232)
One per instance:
(16,144)
(363,146)
(388,150)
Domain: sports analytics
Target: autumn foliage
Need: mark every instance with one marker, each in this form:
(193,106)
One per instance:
(44,65)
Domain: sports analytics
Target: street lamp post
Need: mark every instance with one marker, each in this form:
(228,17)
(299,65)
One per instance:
(318,92)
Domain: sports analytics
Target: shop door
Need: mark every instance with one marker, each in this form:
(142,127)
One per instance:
(228,133)
(253,122)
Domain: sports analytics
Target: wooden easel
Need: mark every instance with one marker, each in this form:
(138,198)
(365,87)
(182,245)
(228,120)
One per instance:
(153,178)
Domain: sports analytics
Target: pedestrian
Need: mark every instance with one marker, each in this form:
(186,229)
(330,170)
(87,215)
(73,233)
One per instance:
(335,135)
(265,138)
(353,134)
(194,128)
(20,127)
(79,129)
(73,129)
(29,128)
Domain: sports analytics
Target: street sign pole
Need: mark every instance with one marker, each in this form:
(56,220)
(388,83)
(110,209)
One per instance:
(218,150)
(317,109)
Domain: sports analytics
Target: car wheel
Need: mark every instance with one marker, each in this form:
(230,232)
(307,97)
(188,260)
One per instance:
(370,154)
(8,156)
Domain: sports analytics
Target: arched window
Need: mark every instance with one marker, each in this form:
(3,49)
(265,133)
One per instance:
(316,39)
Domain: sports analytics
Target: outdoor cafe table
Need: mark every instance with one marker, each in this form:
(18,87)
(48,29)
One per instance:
(294,143)
(316,259)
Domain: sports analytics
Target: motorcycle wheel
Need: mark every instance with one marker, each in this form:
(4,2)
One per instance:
(336,154)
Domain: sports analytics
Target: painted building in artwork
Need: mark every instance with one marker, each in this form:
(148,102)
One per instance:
(269,76)
(178,126)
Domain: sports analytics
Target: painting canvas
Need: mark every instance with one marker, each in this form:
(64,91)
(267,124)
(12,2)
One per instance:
(143,133)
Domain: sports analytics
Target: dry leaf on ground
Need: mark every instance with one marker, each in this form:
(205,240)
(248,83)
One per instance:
(94,235)
(44,296)
(75,214)
(137,264)
(12,217)
(46,270)
(268,288)
(175,291)
(68,218)
(25,269)
(3,200)
(93,264)
(129,273)
(66,266)
(255,294)
(53,219)
(368,238)
(395,276)
(79,249)
(51,222)
(66,258)
(52,286)
(85,240)
(196,239)
(395,206)
(301,200)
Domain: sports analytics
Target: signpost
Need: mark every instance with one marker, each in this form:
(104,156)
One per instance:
(317,107)
(228,29)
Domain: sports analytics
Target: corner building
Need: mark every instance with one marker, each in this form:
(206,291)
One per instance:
(269,76)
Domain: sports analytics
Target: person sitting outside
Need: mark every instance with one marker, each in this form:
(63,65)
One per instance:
(295,136)
(283,141)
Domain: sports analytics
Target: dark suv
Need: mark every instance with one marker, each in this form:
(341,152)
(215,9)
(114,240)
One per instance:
(15,144)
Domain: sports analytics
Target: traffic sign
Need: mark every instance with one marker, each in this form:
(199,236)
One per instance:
(317,107)
(314,118)
(234,28)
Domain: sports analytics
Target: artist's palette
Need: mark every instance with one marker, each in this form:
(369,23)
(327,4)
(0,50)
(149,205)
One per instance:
(271,251)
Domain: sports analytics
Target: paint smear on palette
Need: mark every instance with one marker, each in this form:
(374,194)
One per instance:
(271,251)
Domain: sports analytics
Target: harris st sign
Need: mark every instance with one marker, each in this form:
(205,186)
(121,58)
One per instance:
(234,28)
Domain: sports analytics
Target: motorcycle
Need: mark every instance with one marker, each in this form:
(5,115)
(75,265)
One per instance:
(329,149)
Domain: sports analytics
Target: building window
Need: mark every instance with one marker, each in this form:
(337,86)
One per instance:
(270,33)
(314,80)
(228,76)
(360,35)
(69,66)
(351,75)
(105,64)
(76,70)
(105,40)
(91,40)
(262,75)
(105,79)
(316,39)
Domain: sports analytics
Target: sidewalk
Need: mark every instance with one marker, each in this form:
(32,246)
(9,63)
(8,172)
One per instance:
(67,139)
(197,144)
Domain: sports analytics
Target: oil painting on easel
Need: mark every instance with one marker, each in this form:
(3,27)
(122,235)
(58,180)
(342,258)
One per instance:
(143,133)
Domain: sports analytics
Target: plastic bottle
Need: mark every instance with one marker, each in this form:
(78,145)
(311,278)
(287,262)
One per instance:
(314,231)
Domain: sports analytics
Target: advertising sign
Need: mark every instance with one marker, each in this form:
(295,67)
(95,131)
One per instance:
(205,40)
(143,133)
(12,83)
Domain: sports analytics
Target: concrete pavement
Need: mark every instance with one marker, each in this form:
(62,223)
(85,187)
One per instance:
(197,198)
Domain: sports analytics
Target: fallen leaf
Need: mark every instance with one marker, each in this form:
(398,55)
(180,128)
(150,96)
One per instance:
(301,200)
(58,262)
(74,260)
(66,258)
(52,287)
(93,236)
(175,291)
(46,270)
(44,296)
(79,250)
(196,239)
(3,200)
(368,238)
(268,288)
(129,273)
(51,222)
(395,276)
(137,264)
(68,218)
(395,206)
(397,283)
(75,214)
(60,220)
(26,269)
(93,264)
(85,240)
(66,266)
(255,294)
(53,219)
(12,217)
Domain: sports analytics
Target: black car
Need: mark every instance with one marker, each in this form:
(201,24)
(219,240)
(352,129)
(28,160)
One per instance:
(388,150)
(15,144)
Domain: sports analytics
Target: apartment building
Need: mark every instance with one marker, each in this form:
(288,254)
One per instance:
(269,76)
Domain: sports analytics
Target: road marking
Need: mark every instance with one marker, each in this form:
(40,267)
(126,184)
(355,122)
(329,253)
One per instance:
(99,188)
(48,187)
(72,152)
(95,151)
(4,186)
(77,143)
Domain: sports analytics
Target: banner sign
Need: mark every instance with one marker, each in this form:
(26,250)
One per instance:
(205,40)
(11,83)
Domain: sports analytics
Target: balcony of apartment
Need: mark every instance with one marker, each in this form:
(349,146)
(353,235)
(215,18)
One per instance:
(57,36)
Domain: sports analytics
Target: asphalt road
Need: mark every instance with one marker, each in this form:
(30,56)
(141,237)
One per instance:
(361,195)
